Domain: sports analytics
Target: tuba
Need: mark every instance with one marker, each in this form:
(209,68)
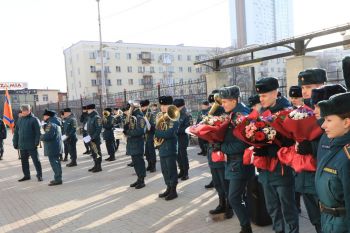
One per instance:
(172,114)
(216,104)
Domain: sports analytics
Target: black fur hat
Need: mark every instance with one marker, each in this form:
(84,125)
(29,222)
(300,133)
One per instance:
(325,92)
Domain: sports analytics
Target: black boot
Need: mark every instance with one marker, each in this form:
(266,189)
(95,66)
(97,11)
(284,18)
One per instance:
(65,158)
(246,229)
(72,164)
(98,167)
(166,193)
(1,153)
(141,183)
(185,175)
(181,174)
(228,211)
(93,168)
(153,167)
(148,168)
(130,164)
(110,158)
(210,185)
(86,152)
(172,194)
(133,185)
(61,157)
(221,208)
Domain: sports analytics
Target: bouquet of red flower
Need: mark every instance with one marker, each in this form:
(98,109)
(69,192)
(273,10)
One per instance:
(262,162)
(278,123)
(211,128)
(302,124)
(290,157)
(255,130)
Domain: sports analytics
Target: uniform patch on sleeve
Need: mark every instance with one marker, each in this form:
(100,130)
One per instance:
(48,127)
(330,170)
(347,150)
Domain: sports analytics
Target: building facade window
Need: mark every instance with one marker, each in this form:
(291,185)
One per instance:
(45,98)
(151,69)
(129,69)
(189,69)
(181,69)
(128,56)
(117,69)
(189,58)
(179,57)
(119,82)
(131,82)
(117,56)
(141,69)
(93,82)
(92,55)
(108,82)
(107,69)
(161,69)
(92,69)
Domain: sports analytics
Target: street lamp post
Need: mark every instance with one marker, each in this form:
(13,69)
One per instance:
(103,81)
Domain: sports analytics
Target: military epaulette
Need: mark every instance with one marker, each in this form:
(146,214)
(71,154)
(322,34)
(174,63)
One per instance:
(330,170)
(347,150)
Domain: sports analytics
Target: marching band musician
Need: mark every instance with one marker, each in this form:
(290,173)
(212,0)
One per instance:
(134,130)
(94,128)
(108,134)
(183,140)
(83,119)
(167,149)
(204,111)
(117,115)
(150,151)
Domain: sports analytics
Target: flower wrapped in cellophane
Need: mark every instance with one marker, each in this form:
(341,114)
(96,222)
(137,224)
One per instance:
(211,128)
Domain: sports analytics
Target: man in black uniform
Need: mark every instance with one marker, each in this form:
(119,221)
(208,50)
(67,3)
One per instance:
(134,130)
(70,135)
(150,151)
(108,134)
(204,111)
(65,146)
(183,140)
(3,134)
(83,120)
(94,128)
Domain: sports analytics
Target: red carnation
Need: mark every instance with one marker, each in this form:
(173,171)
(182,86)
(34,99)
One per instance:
(260,124)
(259,136)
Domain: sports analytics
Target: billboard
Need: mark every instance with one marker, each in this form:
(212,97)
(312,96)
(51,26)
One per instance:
(13,85)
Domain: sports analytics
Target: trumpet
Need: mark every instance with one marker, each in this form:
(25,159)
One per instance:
(217,103)
(172,114)
(119,113)
(106,114)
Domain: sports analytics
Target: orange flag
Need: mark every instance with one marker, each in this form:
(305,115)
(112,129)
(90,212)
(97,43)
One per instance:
(8,116)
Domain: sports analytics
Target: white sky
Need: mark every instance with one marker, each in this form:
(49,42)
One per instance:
(35,32)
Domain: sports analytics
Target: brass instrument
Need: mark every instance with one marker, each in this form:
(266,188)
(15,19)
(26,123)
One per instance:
(130,119)
(217,103)
(119,113)
(172,114)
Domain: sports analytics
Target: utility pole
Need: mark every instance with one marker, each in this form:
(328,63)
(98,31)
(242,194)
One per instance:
(103,81)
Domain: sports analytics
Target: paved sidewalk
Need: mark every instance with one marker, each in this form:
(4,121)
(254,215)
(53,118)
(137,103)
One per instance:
(103,202)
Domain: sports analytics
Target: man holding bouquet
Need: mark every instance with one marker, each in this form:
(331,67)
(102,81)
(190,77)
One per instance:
(236,173)
(278,184)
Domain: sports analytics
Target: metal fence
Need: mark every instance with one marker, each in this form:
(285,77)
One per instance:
(194,92)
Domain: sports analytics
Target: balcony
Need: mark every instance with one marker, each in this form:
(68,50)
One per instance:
(147,81)
(146,57)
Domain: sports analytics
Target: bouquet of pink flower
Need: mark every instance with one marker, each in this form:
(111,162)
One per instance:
(255,130)
(211,128)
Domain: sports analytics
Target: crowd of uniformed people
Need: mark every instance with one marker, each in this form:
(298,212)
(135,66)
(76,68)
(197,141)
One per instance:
(161,126)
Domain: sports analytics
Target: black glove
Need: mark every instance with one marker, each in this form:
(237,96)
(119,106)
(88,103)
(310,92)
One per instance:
(16,147)
(216,146)
(304,148)
(286,142)
(126,127)
(263,151)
